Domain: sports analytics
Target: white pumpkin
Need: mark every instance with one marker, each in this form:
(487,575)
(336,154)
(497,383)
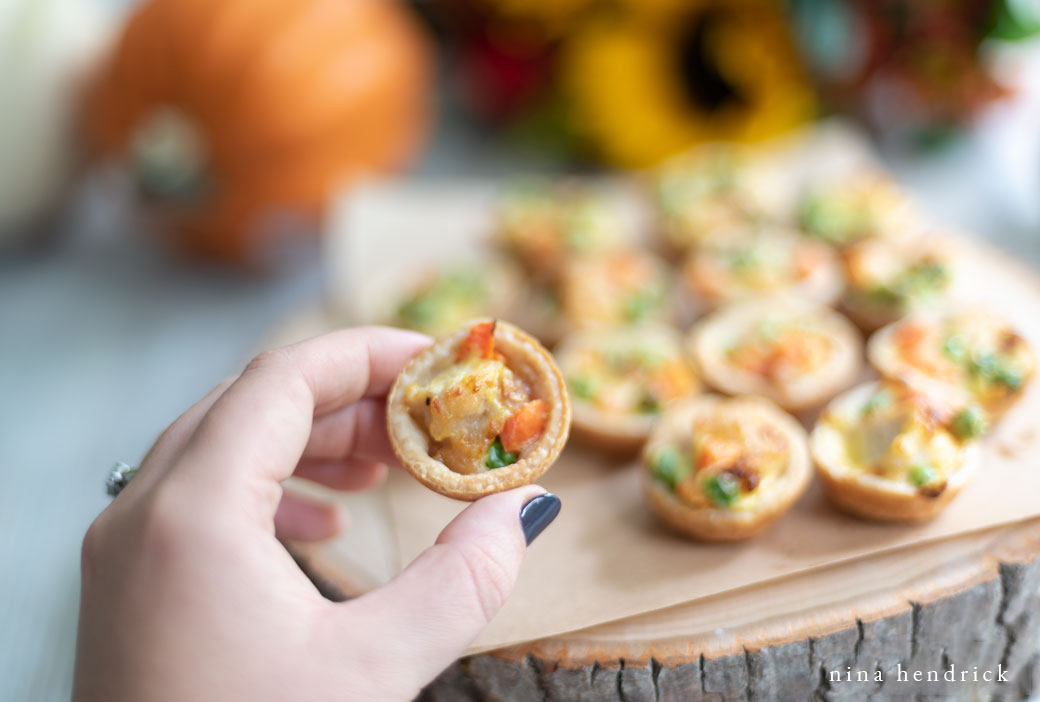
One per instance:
(47,48)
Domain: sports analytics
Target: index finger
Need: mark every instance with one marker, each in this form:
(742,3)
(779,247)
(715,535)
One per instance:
(259,427)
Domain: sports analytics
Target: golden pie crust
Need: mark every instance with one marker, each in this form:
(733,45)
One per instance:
(717,523)
(869,496)
(711,336)
(526,357)
(613,432)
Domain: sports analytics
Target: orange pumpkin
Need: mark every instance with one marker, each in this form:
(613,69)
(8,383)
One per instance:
(237,110)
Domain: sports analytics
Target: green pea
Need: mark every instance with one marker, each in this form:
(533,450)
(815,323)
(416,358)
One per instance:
(995,370)
(887,295)
(831,220)
(467,285)
(582,386)
(923,474)
(722,489)
(498,457)
(955,348)
(969,423)
(1008,377)
(744,259)
(639,305)
(668,467)
(419,312)
(649,404)
(879,400)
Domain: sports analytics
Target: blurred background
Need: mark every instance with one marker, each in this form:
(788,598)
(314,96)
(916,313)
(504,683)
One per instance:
(166,168)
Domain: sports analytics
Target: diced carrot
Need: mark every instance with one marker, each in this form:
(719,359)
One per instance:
(909,334)
(753,359)
(717,452)
(806,258)
(528,423)
(480,343)
(671,381)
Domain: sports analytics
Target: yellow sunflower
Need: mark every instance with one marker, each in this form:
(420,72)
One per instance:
(644,84)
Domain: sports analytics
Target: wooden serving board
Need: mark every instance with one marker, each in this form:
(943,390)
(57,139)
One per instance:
(971,600)
(963,593)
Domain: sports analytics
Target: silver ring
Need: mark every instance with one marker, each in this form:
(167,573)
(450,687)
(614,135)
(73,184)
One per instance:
(119,477)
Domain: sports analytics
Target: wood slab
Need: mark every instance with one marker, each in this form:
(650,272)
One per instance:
(971,601)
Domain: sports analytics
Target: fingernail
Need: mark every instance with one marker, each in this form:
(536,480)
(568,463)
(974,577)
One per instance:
(538,514)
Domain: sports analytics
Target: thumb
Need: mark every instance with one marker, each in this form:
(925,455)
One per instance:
(423,619)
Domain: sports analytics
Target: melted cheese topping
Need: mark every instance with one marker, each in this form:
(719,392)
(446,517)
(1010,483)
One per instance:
(731,460)
(464,407)
(622,287)
(757,264)
(444,302)
(895,276)
(865,205)
(630,375)
(904,436)
(781,350)
(544,223)
(704,194)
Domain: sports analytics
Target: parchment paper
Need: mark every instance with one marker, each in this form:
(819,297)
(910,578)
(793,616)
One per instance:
(605,558)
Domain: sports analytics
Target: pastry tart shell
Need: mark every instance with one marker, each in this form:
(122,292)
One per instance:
(411,442)
(708,341)
(612,432)
(716,524)
(869,496)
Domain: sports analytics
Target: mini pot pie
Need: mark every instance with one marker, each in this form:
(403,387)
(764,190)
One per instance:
(543,223)
(764,262)
(622,287)
(887,279)
(698,196)
(867,204)
(443,300)
(620,380)
(483,409)
(975,351)
(797,354)
(724,469)
(888,452)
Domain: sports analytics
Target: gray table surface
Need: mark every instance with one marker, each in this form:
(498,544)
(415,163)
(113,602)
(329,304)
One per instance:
(105,340)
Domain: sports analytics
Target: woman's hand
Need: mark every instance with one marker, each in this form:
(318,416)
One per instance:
(188,593)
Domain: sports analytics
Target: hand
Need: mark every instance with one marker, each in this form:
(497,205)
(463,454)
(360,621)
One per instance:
(188,593)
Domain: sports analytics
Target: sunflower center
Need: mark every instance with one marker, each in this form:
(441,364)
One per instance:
(704,85)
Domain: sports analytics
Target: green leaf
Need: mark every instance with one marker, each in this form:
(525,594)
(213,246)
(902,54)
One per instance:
(1014,20)
(498,457)
(722,489)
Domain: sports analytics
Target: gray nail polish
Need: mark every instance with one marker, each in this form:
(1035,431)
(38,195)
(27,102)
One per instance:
(538,514)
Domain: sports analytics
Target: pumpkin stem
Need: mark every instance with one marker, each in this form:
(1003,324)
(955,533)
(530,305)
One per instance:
(169,156)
